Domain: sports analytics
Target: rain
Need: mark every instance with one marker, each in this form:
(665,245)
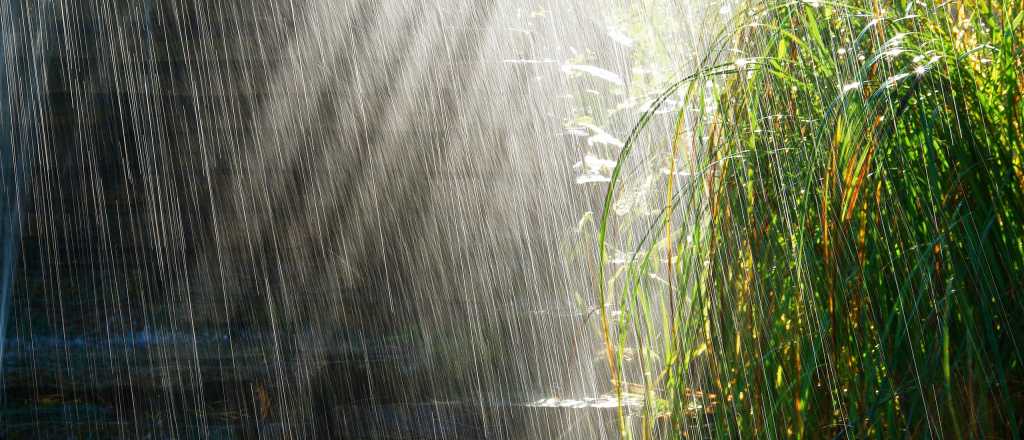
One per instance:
(305,219)
(511,219)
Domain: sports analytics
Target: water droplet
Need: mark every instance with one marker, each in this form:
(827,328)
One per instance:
(851,86)
(595,72)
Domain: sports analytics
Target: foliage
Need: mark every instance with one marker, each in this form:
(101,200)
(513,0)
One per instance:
(841,248)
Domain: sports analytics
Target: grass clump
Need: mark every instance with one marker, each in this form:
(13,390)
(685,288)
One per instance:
(841,249)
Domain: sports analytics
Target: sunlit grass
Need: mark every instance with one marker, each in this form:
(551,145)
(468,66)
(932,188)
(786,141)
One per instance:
(843,252)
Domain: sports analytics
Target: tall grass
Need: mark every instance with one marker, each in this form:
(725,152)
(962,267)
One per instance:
(841,249)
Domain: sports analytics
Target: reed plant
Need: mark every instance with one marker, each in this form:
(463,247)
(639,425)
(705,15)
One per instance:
(840,249)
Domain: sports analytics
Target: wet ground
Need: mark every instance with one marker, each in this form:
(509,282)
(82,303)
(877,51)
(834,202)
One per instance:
(126,386)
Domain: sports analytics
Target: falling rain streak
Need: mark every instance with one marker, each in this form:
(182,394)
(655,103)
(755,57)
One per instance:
(299,219)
